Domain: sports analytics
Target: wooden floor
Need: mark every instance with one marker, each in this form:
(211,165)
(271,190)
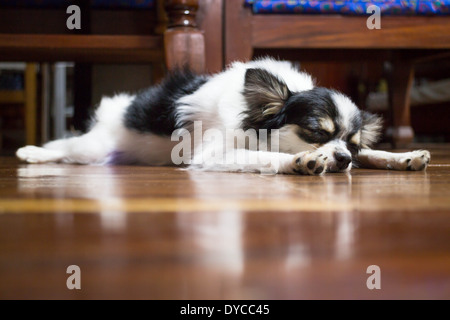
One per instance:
(163,233)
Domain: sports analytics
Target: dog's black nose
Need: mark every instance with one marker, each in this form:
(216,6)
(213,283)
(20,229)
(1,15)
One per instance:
(342,160)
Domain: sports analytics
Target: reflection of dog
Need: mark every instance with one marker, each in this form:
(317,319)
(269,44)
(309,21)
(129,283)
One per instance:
(319,130)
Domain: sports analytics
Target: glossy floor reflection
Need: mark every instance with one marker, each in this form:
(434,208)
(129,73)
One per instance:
(164,233)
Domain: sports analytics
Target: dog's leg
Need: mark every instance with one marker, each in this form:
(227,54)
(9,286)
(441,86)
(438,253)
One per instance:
(266,162)
(34,154)
(92,147)
(411,161)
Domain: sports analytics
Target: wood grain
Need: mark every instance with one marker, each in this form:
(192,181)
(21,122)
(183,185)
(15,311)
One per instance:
(81,48)
(335,31)
(163,233)
(100,42)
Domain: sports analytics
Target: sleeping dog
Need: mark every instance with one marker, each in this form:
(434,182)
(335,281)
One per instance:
(260,116)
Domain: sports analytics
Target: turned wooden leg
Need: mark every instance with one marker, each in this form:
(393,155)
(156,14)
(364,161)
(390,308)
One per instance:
(184,42)
(400,84)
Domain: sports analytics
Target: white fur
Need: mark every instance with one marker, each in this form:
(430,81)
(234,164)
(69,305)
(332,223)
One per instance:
(346,109)
(376,159)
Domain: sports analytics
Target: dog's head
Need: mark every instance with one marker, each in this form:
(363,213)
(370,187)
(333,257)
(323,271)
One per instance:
(319,118)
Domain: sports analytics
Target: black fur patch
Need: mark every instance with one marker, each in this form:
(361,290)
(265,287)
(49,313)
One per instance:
(154,110)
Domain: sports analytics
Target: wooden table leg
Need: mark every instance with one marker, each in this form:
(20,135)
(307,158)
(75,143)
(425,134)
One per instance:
(400,84)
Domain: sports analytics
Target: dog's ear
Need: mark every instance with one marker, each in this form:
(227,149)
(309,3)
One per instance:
(264,93)
(371,129)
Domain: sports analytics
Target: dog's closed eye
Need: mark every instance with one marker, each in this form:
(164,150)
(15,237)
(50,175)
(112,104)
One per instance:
(315,135)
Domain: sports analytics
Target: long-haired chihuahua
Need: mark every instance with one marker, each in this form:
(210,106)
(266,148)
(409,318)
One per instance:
(260,116)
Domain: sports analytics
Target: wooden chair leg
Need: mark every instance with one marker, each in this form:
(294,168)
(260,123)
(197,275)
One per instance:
(238,28)
(184,43)
(210,19)
(30,104)
(400,84)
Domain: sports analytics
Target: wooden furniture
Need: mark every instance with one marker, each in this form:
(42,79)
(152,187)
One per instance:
(169,34)
(403,40)
(166,38)
(27,99)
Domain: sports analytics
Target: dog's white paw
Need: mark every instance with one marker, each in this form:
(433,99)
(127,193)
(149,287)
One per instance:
(415,160)
(33,154)
(310,163)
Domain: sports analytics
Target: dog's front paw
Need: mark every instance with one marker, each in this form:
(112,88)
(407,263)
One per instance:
(33,154)
(310,163)
(416,160)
